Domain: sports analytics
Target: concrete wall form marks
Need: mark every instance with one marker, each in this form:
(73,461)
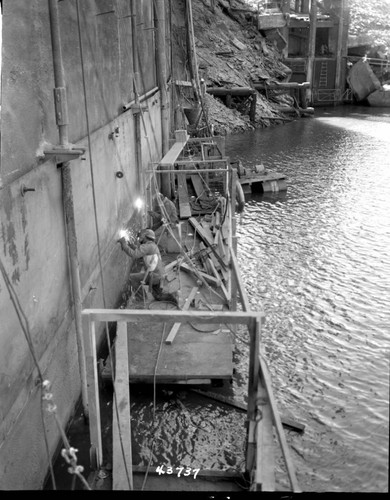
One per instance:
(33,244)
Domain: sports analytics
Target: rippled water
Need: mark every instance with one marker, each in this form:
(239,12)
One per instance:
(320,264)
(317,258)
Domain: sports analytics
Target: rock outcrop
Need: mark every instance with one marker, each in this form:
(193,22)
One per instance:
(232,52)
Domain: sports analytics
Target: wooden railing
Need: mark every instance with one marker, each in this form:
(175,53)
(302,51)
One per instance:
(262,408)
(122,469)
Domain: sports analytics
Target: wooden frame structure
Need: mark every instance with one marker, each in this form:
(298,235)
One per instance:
(91,317)
(262,412)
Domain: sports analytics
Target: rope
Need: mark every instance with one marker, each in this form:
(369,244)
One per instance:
(44,386)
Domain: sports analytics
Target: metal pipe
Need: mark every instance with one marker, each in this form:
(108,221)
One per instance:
(161,60)
(185,171)
(67,193)
(59,79)
(159,6)
(134,44)
(142,98)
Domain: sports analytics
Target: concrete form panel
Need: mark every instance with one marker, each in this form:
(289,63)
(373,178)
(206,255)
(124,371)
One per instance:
(27,86)
(33,244)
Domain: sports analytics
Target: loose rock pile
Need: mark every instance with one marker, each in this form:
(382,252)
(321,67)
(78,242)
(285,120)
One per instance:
(232,52)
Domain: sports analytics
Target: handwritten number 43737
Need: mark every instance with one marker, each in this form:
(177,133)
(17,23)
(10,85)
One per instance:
(178,471)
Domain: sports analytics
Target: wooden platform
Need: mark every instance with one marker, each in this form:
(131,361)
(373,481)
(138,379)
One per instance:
(193,357)
(263,182)
(190,353)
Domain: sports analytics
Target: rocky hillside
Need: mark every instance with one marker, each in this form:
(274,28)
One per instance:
(370,23)
(231,52)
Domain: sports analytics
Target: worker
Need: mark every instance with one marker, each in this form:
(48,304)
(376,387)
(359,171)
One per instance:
(154,269)
(165,211)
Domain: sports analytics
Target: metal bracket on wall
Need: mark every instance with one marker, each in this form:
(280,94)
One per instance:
(136,108)
(62,155)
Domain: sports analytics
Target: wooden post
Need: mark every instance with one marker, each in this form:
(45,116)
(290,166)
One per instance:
(95,430)
(302,96)
(252,112)
(253,378)
(241,288)
(122,474)
(312,48)
(220,141)
(285,29)
(279,427)
(228,100)
(233,180)
(337,84)
(306,6)
(233,302)
(265,456)
(193,63)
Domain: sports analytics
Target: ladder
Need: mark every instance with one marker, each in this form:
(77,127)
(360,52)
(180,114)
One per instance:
(323,74)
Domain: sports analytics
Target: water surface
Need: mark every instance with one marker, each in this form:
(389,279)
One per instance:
(317,257)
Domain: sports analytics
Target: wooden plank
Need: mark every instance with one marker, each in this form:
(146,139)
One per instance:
(278,425)
(233,188)
(95,430)
(205,260)
(221,284)
(183,83)
(184,202)
(240,284)
(199,186)
(265,454)
(207,240)
(193,355)
(155,315)
(221,244)
(251,179)
(207,230)
(250,447)
(214,270)
(171,265)
(286,422)
(122,475)
(186,306)
(233,280)
(172,155)
(209,279)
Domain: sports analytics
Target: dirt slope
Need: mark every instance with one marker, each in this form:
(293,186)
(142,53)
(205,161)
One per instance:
(229,27)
